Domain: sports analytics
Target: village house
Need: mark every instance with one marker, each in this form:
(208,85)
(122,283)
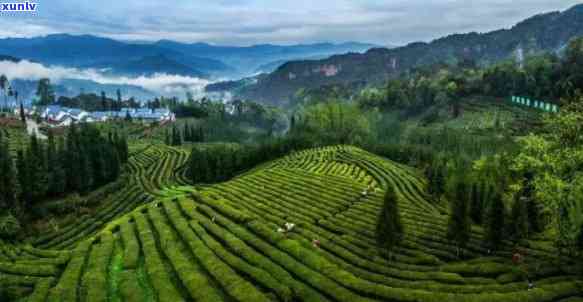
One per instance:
(63,116)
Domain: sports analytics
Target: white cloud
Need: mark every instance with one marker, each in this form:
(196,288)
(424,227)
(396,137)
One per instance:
(161,83)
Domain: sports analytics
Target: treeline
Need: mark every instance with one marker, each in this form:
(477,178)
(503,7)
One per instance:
(478,190)
(189,133)
(216,163)
(92,102)
(45,95)
(80,161)
(548,77)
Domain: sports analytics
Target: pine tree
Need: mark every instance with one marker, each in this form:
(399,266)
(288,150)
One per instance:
(22,115)
(195,135)
(520,218)
(167,139)
(476,204)
(201,135)
(187,137)
(23,179)
(125,150)
(99,160)
(211,166)
(85,173)
(176,139)
(52,162)
(121,145)
(495,221)
(292,123)
(438,182)
(7,177)
(194,166)
(389,230)
(114,164)
(458,229)
(217,168)
(103,101)
(580,238)
(73,160)
(37,171)
(59,182)
(531,204)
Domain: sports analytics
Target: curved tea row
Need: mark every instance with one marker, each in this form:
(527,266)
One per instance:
(222,243)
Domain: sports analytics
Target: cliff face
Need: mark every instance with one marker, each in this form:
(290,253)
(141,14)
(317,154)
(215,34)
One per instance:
(545,32)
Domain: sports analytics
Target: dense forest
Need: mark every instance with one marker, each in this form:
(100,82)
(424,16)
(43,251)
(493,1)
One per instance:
(79,161)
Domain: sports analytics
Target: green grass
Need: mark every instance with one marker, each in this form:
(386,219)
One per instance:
(159,239)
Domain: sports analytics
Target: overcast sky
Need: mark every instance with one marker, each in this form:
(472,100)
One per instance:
(246,22)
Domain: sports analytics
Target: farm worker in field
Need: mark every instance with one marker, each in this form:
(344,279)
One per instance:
(518,259)
(289,226)
(316,243)
(364,192)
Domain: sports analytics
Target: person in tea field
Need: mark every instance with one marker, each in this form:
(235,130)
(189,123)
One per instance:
(518,256)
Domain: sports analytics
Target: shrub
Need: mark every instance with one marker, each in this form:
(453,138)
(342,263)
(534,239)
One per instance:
(9,226)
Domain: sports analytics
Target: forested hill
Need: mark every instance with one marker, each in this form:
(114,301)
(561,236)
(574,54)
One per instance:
(545,32)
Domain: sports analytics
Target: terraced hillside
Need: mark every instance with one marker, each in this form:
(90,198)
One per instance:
(150,168)
(220,242)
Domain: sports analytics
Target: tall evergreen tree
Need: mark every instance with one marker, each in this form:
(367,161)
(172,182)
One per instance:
(580,238)
(23,179)
(459,226)
(37,169)
(531,204)
(73,162)
(201,135)
(187,137)
(85,173)
(118,94)
(45,92)
(103,101)
(176,139)
(167,139)
(4,85)
(520,218)
(22,115)
(495,222)
(114,164)
(476,204)
(7,177)
(52,163)
(389,229)
(195,135)
(59,181)
(437,182)
(195,165)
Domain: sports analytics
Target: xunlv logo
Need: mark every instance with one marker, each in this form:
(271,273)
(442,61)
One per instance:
(18,7)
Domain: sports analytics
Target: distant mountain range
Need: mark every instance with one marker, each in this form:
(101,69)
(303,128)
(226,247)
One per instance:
(248,60)
(541,33)
(197,59)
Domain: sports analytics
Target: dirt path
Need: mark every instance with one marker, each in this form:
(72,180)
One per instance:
(32,128)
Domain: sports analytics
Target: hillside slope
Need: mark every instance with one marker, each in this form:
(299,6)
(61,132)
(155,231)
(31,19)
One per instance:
(545,32)
(220,242)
